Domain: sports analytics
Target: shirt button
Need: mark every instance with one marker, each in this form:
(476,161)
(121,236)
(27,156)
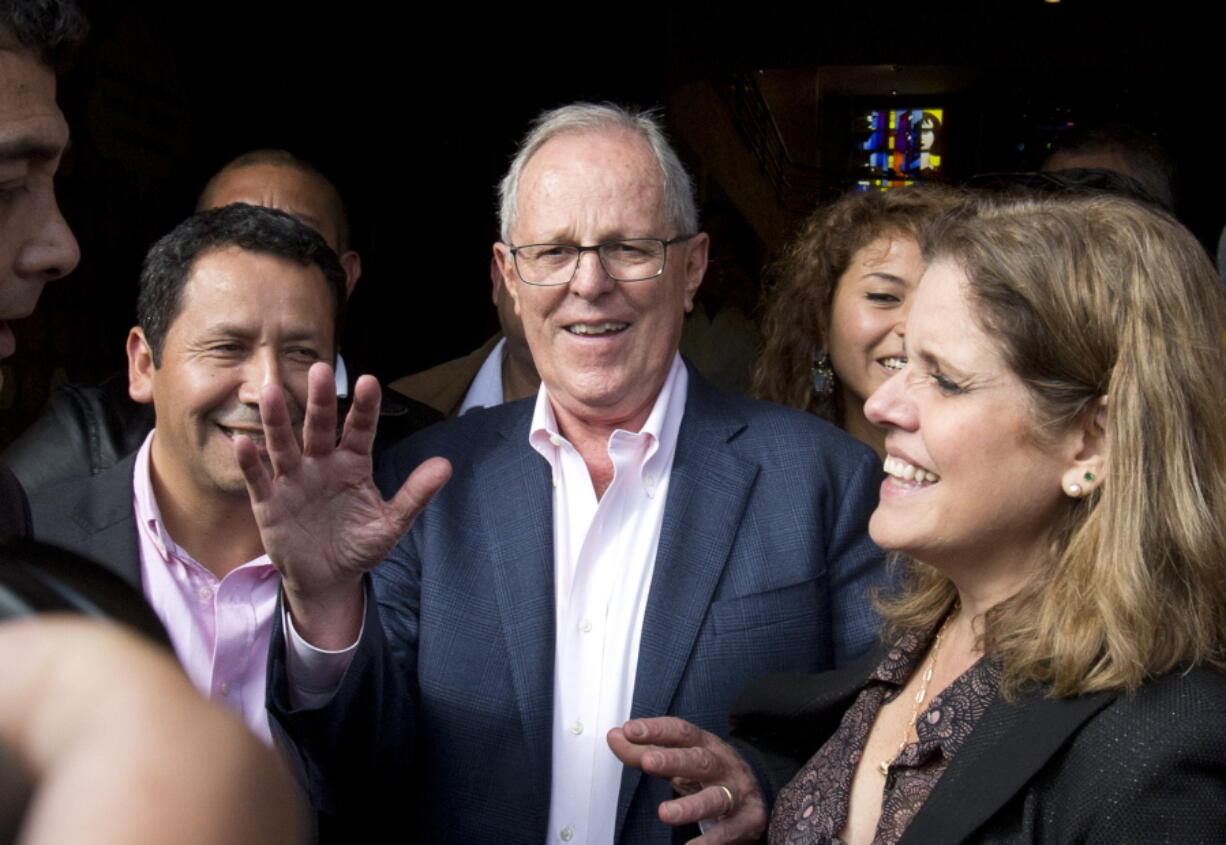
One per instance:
(585,625)
(205,593)
(649,480)
(556,441)
(576,728)
(224,689)
(566,834)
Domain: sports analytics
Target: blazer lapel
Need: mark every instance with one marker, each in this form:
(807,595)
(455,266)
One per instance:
(1011,743)
(103,512)
(779,721)
(516,506)
(707,493)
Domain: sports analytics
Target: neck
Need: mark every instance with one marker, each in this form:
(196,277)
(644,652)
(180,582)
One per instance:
(218,532)
(591,439)
(858,426)
(519,376)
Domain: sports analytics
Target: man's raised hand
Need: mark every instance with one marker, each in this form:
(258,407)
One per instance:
(322,520)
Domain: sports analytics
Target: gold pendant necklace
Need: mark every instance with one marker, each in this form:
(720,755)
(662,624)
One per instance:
(922,692)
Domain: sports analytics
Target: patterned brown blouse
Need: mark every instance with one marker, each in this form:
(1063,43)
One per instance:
(812,808)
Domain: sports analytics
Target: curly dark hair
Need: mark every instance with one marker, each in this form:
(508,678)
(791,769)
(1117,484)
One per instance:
(169,263)
(51,29)
(797,316)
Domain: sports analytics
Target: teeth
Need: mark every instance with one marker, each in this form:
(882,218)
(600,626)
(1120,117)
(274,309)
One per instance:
(899,468)
(597,328)
(256,437)
(893,363)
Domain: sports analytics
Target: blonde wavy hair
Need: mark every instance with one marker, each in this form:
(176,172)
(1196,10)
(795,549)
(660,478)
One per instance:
(796,320)
(1094,297)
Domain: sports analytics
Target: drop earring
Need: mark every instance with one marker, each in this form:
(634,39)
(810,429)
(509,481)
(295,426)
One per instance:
(823,376)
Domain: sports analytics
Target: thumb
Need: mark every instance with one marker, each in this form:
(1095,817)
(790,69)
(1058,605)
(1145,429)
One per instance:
(417,491)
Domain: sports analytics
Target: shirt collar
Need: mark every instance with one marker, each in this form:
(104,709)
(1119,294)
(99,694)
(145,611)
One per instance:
(145,503)
(486,388)
(342,378)
(662,424)
(149,515)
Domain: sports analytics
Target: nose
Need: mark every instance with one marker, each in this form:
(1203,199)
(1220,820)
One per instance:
(51,251)
(263,367)
(889,405)
(900,325)
(591,281)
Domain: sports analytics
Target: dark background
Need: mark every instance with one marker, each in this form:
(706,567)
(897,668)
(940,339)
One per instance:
(414,115)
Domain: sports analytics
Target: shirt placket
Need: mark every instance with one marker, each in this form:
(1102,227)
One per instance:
(580,640)
(235,635)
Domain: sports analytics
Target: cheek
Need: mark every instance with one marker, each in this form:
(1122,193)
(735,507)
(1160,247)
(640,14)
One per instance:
(296,385)
(200,389)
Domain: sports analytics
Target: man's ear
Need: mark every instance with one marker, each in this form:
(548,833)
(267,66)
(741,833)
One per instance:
(140,367)
(506,266)
(695,266)
(351,263)
(1088,452)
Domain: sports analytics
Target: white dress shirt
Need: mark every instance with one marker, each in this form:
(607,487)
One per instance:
(486,388)
(604,556)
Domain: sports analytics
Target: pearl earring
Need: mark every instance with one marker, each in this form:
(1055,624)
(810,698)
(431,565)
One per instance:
(1074,490)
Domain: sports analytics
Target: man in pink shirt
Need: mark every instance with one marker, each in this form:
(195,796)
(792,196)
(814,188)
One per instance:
(232,300)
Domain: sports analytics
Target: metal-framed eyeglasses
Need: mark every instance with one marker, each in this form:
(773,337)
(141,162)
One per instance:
(624,260)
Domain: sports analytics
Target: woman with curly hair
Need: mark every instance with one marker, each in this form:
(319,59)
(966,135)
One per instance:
(833,323)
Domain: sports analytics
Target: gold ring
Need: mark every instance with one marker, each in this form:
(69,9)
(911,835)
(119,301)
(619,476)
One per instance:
(728,797)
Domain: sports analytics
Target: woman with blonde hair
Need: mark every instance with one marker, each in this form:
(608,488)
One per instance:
(834,318)
(1056,491)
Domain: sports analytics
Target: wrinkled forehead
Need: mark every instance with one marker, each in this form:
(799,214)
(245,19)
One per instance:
(608,180)
(31,124)
(299,194)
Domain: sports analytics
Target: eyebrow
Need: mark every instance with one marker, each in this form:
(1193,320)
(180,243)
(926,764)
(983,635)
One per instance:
(886,277)
(234,330)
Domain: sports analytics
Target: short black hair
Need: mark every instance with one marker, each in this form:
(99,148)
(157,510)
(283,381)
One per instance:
(169,263)
(51,29)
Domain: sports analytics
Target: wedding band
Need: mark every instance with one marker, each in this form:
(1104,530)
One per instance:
(728,797)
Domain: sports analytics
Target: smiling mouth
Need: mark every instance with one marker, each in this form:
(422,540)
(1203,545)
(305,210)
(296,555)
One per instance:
(894,363)
(902,471)
(256,435)
(594,329)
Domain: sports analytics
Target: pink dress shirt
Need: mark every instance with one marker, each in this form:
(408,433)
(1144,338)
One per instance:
(220,627)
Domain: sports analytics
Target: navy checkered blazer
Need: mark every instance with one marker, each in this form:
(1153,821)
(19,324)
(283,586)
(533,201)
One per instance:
(441,727)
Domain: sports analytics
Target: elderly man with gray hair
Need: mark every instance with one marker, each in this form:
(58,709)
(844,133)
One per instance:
(630,542)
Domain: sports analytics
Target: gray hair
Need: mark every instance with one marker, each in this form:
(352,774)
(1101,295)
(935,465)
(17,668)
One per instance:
(679,208)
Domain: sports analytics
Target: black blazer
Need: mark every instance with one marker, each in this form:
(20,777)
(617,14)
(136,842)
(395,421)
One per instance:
(1104,768)
(93,516)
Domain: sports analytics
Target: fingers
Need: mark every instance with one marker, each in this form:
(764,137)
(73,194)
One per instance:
(743,819)
(686,758)
(279,440)
(663,730)
(319,425)
(689,764)
(259,485)
(709,803)
(698,763)
(363,417)
(418,489)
